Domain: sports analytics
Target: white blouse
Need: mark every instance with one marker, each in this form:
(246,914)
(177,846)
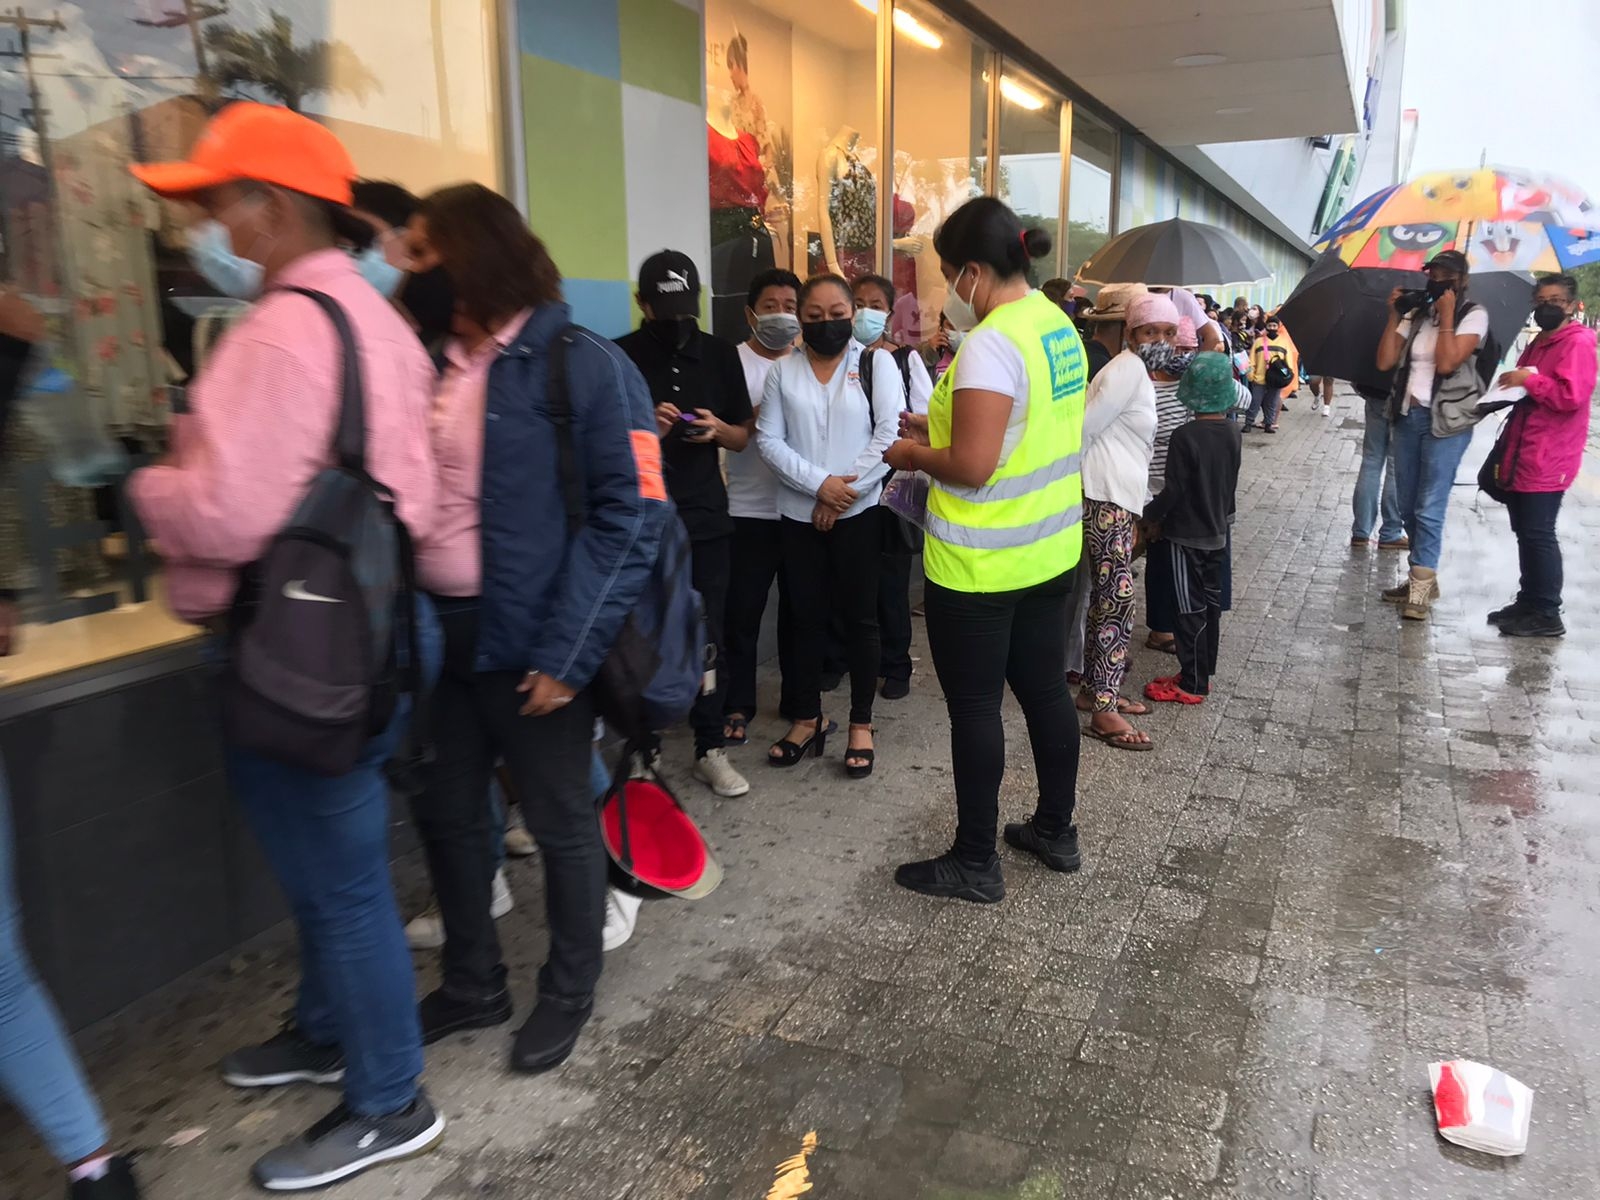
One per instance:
(808,430)
(1119,433)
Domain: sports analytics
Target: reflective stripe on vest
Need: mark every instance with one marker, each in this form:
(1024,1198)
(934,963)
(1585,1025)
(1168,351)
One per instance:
(1023,526)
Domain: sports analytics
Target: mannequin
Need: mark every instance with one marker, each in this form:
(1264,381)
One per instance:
(848,210)
(741,243)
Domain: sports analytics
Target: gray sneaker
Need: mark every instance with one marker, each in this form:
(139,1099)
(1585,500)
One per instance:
(343,1144)
(287,1057)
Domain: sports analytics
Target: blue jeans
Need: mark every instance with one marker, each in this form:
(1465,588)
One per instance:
(39,1073)
(327,840)
(1377,468)
(1533,520)
(599,775)
(1424,469)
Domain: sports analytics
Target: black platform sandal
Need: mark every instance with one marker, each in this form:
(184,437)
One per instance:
(789,753)
(735,731)
(862,770)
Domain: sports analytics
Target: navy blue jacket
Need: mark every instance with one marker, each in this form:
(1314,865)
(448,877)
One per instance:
(550,602)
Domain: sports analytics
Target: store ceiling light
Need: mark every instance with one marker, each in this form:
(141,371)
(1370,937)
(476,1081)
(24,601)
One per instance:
(1017,94)
(908,25)
(1199,60)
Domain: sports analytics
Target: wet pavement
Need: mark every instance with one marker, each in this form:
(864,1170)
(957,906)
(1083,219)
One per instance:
(1378,844)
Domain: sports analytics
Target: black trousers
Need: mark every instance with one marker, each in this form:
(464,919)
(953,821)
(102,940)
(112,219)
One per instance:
(1533,520)
(1197,591)
(710,567)
(826,573)
(757,554)
(475,722)
(894,622)
(980,642)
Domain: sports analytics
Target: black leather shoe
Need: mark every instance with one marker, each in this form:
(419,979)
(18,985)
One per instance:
(442,1014)
(1057,853)
(895,689)
(548,1036)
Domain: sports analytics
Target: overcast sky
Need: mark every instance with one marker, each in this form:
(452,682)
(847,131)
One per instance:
(1486,75)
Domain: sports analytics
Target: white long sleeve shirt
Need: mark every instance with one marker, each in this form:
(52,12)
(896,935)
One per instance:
(1119,432)
(808,430)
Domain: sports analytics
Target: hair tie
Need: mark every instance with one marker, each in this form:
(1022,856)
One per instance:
(1023,238)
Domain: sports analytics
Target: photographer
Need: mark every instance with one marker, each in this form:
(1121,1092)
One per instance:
(1430,335)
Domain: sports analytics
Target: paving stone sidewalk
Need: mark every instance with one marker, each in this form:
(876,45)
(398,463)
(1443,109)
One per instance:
(1376,845)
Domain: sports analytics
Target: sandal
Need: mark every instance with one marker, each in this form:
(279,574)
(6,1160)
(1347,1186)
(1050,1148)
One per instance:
(863,768)
(735,731)
(1120,739)
(1125,706)
(1170,646)
(786,753)
(1169,691)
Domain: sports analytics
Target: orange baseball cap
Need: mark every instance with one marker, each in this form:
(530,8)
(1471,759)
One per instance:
(261,142)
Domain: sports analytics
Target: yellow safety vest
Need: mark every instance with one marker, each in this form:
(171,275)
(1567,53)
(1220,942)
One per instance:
(1025,525)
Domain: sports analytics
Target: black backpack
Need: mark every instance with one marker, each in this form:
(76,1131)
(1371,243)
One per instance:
(899,535)
(316,668)
(1279,373)
(661,658)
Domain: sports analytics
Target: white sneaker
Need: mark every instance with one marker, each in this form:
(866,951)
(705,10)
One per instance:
(1327,410)
(426,929)
(713,768)
(519,842)
(622,913)
(500,901)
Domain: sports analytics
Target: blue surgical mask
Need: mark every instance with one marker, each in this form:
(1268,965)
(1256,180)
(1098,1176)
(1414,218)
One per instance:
(379,271)
(869,325)
(211,252)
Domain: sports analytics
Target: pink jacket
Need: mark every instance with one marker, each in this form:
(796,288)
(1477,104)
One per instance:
(1548,431)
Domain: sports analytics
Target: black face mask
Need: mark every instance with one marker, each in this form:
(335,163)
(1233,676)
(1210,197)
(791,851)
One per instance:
(1438,287)
(827,338)
(672,332)
(430,298)
(1548,316)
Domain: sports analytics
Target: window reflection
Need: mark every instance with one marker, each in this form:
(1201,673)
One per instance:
(1030,157)
(1094,146)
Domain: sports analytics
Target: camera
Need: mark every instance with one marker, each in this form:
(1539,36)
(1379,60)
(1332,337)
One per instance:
(1412,300)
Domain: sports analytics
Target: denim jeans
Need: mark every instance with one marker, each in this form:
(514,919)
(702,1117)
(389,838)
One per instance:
(1377,468)
(39,1073)
(1265,400)
(327,840)
(1424,469)
(1533,520)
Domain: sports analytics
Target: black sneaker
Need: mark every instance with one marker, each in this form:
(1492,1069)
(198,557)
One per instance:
(1501,615)
(831,680)
(442,1014)
(548,1036)
(1532,624)
(117,1183)
(895,689)
(948,876)
(1057,853)
(343,1144)
(289,1057)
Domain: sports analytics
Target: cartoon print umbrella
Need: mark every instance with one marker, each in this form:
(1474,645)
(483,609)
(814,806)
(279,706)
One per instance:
(1502,218)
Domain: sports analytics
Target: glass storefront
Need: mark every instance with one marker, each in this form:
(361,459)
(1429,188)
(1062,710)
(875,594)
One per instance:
(1030,157)
(1090,194)
(91,88)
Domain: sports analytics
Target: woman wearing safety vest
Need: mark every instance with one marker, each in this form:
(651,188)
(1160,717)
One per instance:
(1001,445)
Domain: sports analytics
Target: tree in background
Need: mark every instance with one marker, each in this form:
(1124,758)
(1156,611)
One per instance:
(1589,291)
(268,59)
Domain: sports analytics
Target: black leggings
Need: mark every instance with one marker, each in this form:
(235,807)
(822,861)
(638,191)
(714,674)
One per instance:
(826,573)
(980,642)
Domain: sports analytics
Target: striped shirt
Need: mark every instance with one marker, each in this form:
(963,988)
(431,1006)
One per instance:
(1169,415)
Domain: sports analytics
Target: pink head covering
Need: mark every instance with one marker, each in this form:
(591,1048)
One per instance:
(1187,338)
(1151,309)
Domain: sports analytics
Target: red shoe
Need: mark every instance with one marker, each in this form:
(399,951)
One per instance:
(1167,691)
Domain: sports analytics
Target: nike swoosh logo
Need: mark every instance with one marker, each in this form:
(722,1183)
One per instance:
(295,589)
(367,1140)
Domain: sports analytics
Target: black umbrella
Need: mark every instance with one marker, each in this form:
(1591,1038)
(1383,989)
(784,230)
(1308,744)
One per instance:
(1175,253)
(1337,314)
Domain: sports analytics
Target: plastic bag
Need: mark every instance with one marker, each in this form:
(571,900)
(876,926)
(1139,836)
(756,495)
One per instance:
(906,495)
(63,417)
(1481,1108)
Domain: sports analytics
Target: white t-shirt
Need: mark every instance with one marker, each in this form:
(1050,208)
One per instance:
(1423,350)
(1119,430)
(752,488)
(990,362)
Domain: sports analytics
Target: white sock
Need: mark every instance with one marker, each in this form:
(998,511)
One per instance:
(95,1168)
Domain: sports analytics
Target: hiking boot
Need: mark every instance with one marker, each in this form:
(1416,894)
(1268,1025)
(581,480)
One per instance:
(1401,592)
(344,1143)
(947,876)
(286,1057)
(1532,623)
(117,1183)
(1058,853)
(1422,590)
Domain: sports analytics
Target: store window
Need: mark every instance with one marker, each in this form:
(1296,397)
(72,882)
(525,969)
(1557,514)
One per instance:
(793,161)
(409,85)
(1030,157)
(1089,194)
(941,122)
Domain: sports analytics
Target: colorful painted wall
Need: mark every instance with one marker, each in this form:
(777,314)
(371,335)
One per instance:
(613,102)
(1154,189)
